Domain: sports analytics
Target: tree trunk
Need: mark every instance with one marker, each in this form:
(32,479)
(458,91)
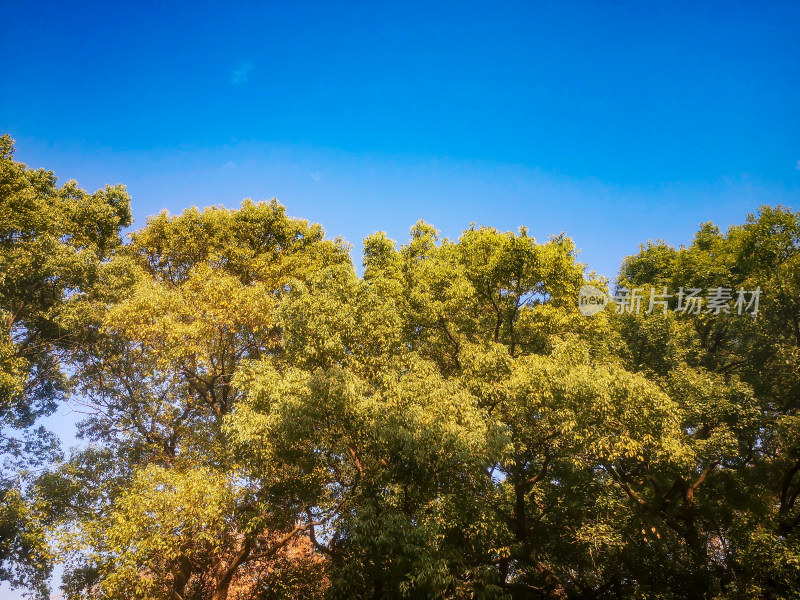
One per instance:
(180,577)
(223,574)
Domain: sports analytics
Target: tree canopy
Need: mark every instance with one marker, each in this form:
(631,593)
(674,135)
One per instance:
(53,241)
(264,422)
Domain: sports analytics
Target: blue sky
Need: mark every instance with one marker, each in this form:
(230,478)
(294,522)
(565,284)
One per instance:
(615,122)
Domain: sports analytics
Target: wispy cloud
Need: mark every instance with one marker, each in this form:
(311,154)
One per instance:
(241,72)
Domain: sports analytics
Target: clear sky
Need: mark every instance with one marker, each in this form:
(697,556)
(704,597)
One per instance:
(615,121)
(612,121)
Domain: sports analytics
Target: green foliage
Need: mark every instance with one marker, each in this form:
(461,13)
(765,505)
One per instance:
(736,377)
(176,313)
(25,557)
(53,241)
(264,423)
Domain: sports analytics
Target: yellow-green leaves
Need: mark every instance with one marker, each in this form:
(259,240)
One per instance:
(447,426)
(164,519)
(594,412)
(53,241)
(205,324)
(25,555)
(257,242)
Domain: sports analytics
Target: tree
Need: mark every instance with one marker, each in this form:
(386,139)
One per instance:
(738,376)
(53,241)
(446,422)
(178,312)
(264,423)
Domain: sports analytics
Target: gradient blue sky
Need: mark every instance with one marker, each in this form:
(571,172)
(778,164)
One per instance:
(615,122)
